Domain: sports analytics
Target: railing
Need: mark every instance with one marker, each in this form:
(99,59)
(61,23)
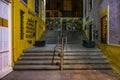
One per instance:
(62,44)
(62,54)
(57,45)
(66,43)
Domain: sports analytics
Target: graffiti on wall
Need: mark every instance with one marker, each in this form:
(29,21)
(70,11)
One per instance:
(69,23)
(53,24)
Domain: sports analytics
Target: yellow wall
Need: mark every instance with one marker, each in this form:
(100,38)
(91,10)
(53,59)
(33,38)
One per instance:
(20,45)
(113,55)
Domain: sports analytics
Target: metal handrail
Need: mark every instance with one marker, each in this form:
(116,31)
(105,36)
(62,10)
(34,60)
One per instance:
(62,41)
(62,54)
(66,43)
(55,50)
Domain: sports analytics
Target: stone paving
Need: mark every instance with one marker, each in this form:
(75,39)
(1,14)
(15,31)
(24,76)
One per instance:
(62,75)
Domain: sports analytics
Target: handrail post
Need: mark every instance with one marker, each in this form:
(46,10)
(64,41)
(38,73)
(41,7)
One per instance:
(58,41)
(62,54)
(66,42)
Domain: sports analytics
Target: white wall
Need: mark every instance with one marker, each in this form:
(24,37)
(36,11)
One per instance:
(5,41)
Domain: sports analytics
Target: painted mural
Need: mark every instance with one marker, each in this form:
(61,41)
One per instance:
(53,24)
(56,24)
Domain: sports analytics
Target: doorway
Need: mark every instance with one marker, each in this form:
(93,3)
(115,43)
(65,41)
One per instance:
(5,38)
(90,32)
(104,29)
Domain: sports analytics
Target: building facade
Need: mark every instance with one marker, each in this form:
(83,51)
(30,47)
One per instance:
(101,24)
(54,8)
(64,8)
(22,22)
(5,38)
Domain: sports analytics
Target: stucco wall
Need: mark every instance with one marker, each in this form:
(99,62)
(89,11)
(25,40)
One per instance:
(28,27)
(112,49)
(114,18)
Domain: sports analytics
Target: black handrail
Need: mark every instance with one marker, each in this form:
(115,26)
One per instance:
(55,49)
(61,42)
(54,53)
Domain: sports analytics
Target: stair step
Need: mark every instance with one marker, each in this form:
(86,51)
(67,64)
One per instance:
(76,57)
(83,53)
(66,54)
(68,51)
(65,57)
(91,50)
(87,67)
(36,67)
(66,67)
(38,51)
(56,62)
(39,54)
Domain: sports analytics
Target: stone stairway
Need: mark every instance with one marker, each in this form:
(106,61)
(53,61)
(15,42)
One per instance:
(76,57)
(51,37)
(84,59)
(73,37)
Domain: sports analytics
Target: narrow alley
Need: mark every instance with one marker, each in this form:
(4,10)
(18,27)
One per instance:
(59,40)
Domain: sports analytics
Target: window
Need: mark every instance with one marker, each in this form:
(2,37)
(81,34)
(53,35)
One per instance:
(58,5)
(67,13)
(21,24)
(47,14)
(56,14)
(47,4)
(37,6)
(24,1)
(90,5)
(85,8)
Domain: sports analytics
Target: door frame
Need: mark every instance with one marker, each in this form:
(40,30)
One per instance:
(10,34)
(105,13)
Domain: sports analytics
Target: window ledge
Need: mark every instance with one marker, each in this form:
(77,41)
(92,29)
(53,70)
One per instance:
(23,2)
